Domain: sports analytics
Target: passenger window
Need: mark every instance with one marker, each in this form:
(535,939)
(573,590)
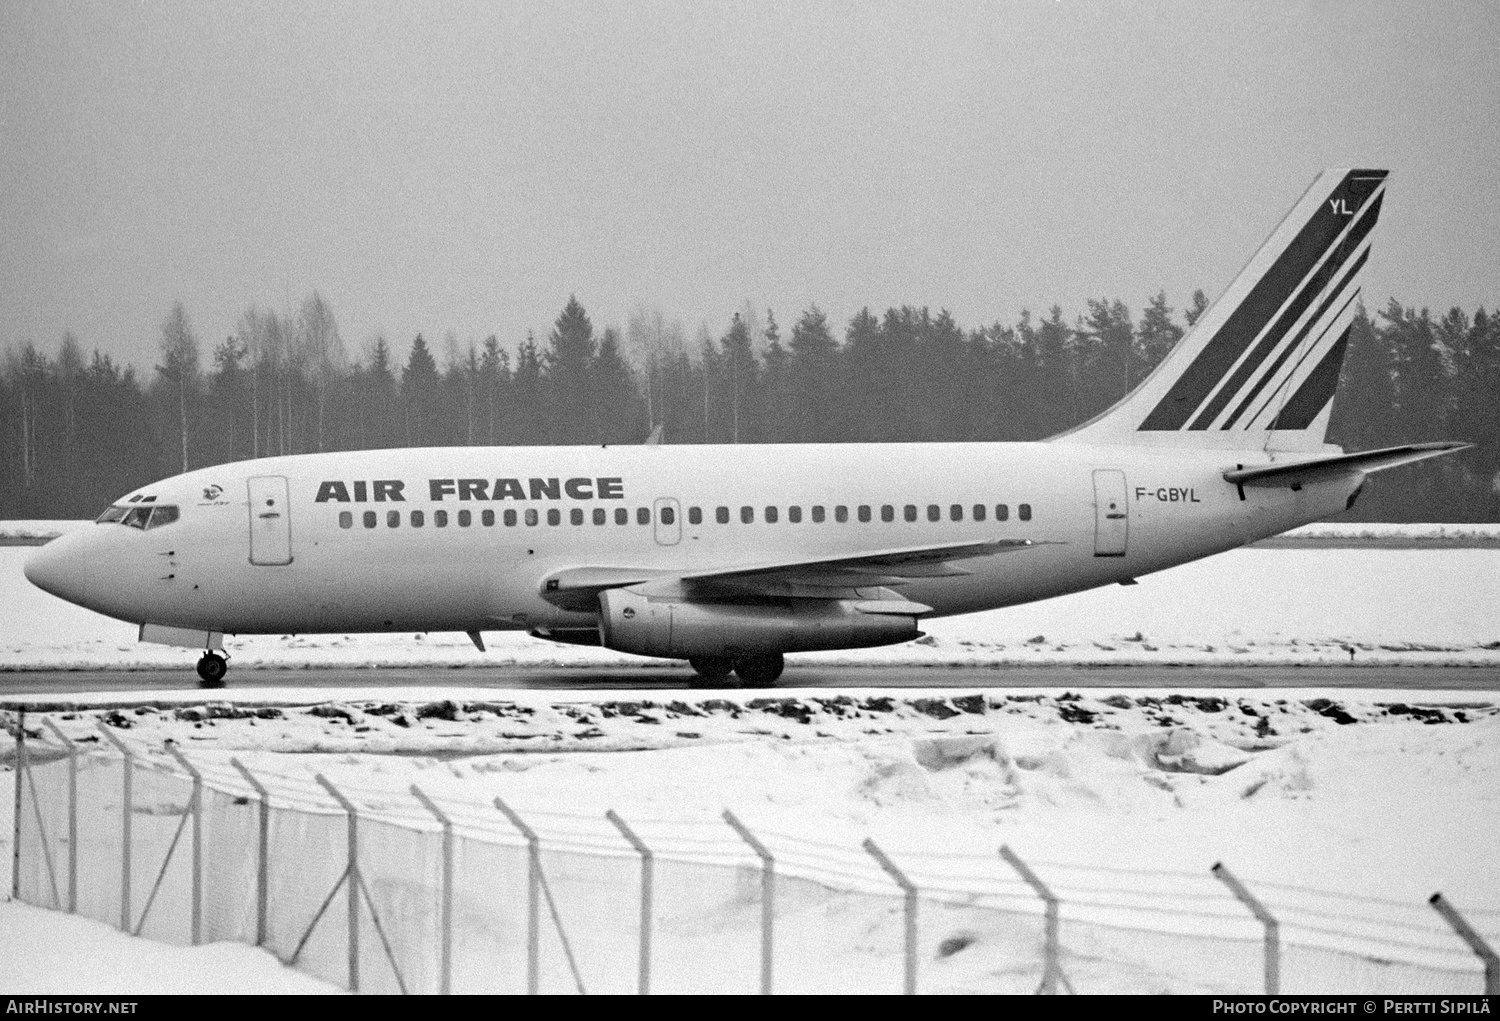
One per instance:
(392,519)
(1002,512)
(817,514)
(622,516)
(841,513)
(668,516)
(162,515)
(600,517)
(910,512)
(369,519)
(576,515)
(956,512)
(695,515)
(346,520)
(532,517)
(1024,512)
(554,516)
(934,512)
(440,518)
(417,520)
(510,519)
(487,518)
(465,519)
(887,512)
(979,510)
(721,515)
(643,515)
(864,512)
(794,514)
(771,515)
(747,515)
(137,517)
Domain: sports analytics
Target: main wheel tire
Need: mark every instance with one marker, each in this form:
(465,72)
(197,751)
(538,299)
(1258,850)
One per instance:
(760,670)
(714,670)
(211,670)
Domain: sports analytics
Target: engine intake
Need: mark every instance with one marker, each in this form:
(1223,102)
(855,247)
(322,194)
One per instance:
(674,629)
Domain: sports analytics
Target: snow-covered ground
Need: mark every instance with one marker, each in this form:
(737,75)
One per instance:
(48,953)
(1344,814)
(1248,606)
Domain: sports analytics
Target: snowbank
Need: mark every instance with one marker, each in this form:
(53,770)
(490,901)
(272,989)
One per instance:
(48,953)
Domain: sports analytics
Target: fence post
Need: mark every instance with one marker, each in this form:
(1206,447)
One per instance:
(125,813)
(1476,942)
(446,950)
(15,841)
(72,748)
(352,875)
(643,976)
(1052,948)
(533,895)
(1273,927)
(911,911)
(197,914)
(767,896)
(262,864)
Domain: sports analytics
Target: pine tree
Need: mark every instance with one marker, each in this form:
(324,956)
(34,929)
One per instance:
(618,415)
(1196,309)
(741,375)
(419,391)
(1156,334)
(569,385)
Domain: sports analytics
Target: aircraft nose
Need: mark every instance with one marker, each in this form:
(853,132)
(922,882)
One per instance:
(60,569)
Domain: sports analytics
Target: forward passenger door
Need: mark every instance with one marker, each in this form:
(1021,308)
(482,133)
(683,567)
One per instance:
(270,521)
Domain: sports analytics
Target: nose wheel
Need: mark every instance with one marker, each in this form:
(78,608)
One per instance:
(211,670)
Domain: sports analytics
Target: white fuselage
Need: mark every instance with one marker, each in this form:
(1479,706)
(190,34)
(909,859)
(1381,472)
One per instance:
(198,572)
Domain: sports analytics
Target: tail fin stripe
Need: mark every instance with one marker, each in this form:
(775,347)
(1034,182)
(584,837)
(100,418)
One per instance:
(1263,413)
(1311,288)
(1316,391)
(1296,343)
(1250,317)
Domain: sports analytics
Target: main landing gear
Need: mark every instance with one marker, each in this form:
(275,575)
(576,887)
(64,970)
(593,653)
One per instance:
(756,671)
(211,670)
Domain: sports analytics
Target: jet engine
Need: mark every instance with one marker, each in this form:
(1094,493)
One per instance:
(679,629)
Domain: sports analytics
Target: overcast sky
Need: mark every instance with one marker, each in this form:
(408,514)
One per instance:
(450,166)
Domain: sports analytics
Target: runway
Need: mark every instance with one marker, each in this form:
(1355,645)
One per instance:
(1476,679)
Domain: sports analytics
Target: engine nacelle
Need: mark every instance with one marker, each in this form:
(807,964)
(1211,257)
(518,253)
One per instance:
(631,622)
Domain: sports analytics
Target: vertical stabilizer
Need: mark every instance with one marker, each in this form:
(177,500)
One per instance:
(1258,369)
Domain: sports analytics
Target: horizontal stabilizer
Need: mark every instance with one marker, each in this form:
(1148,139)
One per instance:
(1300,473)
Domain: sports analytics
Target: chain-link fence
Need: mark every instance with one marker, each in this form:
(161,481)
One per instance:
(421,894)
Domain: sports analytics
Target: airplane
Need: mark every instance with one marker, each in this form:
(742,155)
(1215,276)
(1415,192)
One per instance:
(731,557)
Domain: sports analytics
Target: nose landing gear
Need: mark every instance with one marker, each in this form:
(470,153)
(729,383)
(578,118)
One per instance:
(211,670)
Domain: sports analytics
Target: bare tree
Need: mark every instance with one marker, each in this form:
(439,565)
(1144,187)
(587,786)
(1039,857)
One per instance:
(179,366)
(322,348)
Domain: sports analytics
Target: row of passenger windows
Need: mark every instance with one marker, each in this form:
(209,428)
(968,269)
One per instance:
(668,515)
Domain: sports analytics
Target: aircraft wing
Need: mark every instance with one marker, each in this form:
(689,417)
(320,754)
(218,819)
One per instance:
(1295,474)
(865,576)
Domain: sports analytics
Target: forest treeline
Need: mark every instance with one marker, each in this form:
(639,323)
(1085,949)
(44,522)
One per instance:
(80,429)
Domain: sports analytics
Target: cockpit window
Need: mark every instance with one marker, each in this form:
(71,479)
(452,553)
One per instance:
(162,514)
(143,516)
